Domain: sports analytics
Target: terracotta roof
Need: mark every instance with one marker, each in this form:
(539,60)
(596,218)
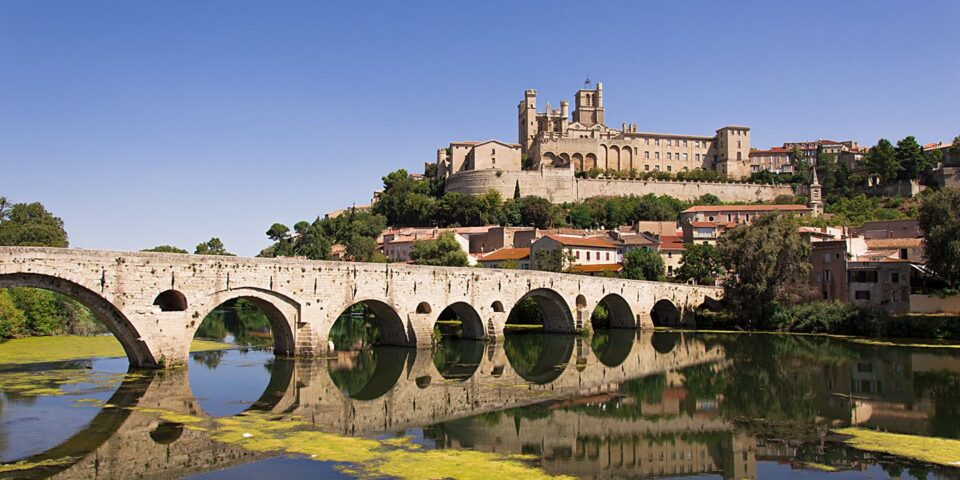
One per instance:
(881,243)
(603,267)
(746,208)
(713,224)
(669,242)
(635,240)
(581,242)
(506,254)
(771,150)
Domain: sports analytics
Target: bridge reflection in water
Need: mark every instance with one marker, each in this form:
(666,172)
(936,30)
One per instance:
(620,403)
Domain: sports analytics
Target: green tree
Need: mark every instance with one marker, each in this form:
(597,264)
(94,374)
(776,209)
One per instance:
(12,320)
(443,251)
(940,220)
(43,310)
(516,190)
(955,150)
(537,212)
(768,262)
(30,224)
(212,247)
(909,155)
(799,161)
(164,249)
(642,264)
(881,161)
(551,260)
(278,232)
(701,262)
(361,248)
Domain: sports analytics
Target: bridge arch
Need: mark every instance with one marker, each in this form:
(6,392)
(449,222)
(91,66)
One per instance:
(390,327)
(618,313)
(126,333)
(471,326)
(665,314)
(556,314)
(171,301)
(282,312)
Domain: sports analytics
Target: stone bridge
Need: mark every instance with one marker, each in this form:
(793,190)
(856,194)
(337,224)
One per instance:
(406,390)
(154,302)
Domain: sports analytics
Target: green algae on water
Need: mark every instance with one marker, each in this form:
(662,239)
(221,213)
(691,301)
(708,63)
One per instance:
(74,347)
(24,465)
(940,451)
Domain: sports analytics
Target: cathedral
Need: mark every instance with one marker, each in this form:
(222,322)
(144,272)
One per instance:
(554,138)
(582,141)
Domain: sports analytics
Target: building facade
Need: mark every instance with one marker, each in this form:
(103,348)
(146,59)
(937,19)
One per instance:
(582,141)
(470,156)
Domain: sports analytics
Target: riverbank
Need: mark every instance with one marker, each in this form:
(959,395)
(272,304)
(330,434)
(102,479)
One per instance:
(839,319)
(74,347)
(879,342)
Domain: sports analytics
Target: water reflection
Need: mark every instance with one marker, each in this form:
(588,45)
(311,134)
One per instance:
(539,358)
(637,405)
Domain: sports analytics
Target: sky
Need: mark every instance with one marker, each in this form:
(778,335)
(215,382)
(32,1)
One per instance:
(145,123)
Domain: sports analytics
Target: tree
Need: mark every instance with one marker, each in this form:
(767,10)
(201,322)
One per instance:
(537,212)
(443,251)
(955,150)
(277,232)
(164,249)
(768,262)
(516,190)
(212,247)
(642,264)
(940,221)
(552,260)
(361,249)
(12,320)
(799,161)
(701,262)
(881,161)
(909,155)
(30,224)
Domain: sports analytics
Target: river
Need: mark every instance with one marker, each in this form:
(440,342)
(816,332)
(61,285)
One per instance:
(618,404)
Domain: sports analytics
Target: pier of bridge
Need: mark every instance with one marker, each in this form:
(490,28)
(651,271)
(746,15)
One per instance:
(154,302)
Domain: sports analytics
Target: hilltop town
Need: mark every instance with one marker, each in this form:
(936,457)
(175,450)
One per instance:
(855,206)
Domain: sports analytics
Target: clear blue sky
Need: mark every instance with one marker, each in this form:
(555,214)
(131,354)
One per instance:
(146,123)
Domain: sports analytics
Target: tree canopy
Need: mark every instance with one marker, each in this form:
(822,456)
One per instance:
(642,264)
(212,247)
(768,264)
(940,221)
(701,262)
(881,161)
(164,249)
(443,251)
(30,225)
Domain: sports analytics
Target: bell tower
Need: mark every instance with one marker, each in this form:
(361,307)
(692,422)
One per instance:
(527,120)
(816,195)
(589,104)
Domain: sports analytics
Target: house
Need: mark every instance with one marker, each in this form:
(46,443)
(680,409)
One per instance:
(578,250)
(518,257)
(671,249)
(398,246)
(738,214)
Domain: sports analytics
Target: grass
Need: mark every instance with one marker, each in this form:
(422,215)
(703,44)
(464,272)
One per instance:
(72,347)
(940,451)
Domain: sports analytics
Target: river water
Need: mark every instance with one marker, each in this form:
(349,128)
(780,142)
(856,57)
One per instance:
(619,404)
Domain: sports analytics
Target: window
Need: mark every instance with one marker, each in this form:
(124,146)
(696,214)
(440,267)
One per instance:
(697,157)
(588,256)
(646,141)
(863,276)
(894,277)
(670,270)
(646,167)
(684,157)
(669,168)
(657,167)
(738,143)
(684,143)
(646,155)
(862,295)
(669,156)
(608,255)
(826,275)
(658,142)
(669,143)
(657,155)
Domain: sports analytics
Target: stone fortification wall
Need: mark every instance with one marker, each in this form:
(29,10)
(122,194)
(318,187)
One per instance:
(559,185)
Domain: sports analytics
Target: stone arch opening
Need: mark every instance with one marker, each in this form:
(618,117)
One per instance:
(581,302)
(497,306)
(612,311)
(665,314)
(539,359)
(368,323)
(577,162)
(171,301)
(590,161)
(541,307)
(369,374)
(138,353)
(460,320)
(423,308)
(250,318)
